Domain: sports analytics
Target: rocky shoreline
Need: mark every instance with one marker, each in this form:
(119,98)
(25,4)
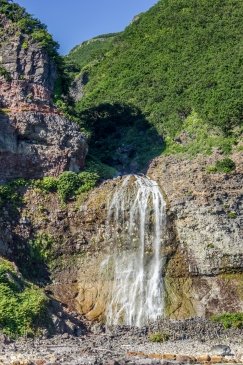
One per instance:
(194,341)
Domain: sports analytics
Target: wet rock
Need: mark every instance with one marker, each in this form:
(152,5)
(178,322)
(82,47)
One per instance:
(220,350)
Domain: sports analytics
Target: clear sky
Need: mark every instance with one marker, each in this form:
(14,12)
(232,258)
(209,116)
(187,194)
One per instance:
(74,21)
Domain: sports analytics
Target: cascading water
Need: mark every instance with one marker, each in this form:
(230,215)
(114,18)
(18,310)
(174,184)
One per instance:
(136,223)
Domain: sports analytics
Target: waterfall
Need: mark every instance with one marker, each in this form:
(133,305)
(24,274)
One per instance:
(136,224)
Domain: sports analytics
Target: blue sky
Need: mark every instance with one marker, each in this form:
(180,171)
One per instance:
(71,22)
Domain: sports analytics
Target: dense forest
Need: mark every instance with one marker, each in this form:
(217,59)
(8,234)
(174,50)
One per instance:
(180,66)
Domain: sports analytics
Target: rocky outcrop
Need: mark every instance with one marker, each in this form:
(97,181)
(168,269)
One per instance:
(77,87)
(34,144)
(205,272)
(30,71)
(35,139)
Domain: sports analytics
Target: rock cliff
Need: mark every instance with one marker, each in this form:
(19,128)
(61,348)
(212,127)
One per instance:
(203,272)
(35,140)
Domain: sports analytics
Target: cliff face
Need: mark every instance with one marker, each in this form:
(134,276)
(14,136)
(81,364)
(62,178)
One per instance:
(35,139)
(203,249)
(205,274)
(30,71)
(203,271)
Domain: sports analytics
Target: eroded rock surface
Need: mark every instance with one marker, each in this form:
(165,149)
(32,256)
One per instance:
(206,273)
(35,140)
(34,144)
(202,249)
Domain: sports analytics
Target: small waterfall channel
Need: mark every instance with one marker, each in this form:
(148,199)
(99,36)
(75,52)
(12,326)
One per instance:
(136,224)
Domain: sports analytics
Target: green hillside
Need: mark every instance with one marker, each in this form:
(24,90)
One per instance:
(180,65)
(92,50)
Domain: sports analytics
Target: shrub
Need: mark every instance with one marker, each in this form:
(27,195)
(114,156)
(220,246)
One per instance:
(229,320)
(41,248)
(224,166)
(88,181)
(48,184)
(104,171)
(158,337)
(10,193)
(167,80)
(29,25)
(232,214)
(67,185)
(45,40)
(22,305)
(25,44)
(5,73)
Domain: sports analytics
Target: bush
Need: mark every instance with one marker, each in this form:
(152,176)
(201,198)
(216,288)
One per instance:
(41,248)
(232,214)
(101,169)
(11,193)
(48,184)
(224,166)
(158,337)
(69,183)
(229,320)
(22,306)
(5,73)
(88,181)
(29,25)
(45,40)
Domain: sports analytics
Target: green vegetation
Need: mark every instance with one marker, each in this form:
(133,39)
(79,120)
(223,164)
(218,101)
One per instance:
(29,25)
(70,183)
(229,320)
(120,136)
(5,73)
(93,50)
(224,166)
(102,170)
(178,57)
(22,305)
(158,337)
(25,44)
(232,214)
(41,248)
(75,64)
(179,65)
(67,185)
(199,137)
(9,193)
(47,184)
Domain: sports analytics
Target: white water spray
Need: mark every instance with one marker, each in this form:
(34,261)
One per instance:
(136,223)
